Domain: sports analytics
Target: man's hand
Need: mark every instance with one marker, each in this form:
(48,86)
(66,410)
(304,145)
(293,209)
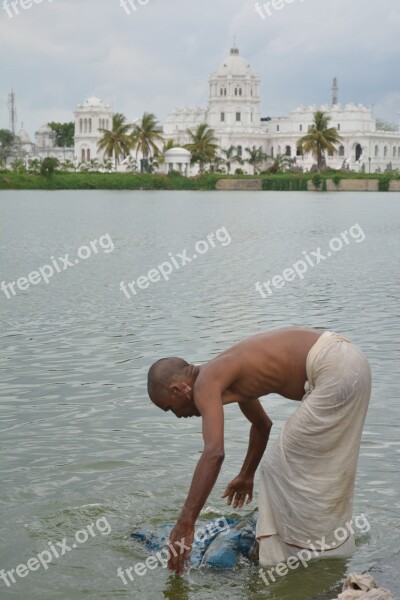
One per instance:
(238,490)
(180,545)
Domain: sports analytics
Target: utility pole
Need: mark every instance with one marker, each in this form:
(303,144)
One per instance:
(335,91)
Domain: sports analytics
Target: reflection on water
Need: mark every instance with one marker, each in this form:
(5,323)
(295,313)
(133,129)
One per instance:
(79,437)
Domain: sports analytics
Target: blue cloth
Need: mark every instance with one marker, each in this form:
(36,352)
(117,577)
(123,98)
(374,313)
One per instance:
(219,543)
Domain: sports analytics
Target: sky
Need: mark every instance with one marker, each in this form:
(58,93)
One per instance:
(57,53)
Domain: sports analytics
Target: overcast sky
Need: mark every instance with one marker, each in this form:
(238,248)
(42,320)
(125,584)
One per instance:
(57,53)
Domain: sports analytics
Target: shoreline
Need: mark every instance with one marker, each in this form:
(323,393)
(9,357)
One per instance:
(324,182)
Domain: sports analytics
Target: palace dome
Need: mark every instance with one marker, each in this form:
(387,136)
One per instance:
(234,64)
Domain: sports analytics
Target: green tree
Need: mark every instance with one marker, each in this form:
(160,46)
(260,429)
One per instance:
(6,143)
(34,165)
(282,163)
(64,133)
(145,137)
(168,145)
(18,166)
(202,145)
(320,138)
(229,156)
(68,165)
(49,165)
(256,156)
(116,142)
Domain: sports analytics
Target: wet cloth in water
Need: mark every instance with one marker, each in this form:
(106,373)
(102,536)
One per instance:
(307,478)
(220,543)
(363,587)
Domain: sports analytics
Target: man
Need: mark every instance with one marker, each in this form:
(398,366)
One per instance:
(307,479)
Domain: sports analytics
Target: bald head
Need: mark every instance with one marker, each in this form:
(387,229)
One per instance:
(161,374)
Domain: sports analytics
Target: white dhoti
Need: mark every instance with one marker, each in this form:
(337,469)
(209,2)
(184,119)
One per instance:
(307,478)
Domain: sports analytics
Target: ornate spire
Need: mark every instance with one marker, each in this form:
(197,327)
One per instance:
(234,49)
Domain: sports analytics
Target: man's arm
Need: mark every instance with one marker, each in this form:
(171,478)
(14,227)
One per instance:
(203,481)
(241,488)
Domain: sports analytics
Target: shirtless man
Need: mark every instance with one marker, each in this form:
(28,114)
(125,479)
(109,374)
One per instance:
(272,362)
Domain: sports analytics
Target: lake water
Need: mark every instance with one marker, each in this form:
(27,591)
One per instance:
(79,437)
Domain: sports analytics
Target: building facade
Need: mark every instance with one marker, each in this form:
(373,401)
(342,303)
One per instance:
(90,117)
(233,112)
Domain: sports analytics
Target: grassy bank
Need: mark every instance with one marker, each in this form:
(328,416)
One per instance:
(128,181)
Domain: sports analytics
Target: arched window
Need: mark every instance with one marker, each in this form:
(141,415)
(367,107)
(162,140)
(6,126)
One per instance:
(240,150)
(222,117)
(288,151)
(238,116)
(272,152)
(301,127)
(85,125)
(222,91)
(251,91)
(338,127)
(299,152)
(80,125)
(330,153)
(394,152)
(376,151)
(240,91)
(88,154)
(385,151)
(277,127)
(358,151)
(90,125)
(341,150)
(83,154)
(236,91)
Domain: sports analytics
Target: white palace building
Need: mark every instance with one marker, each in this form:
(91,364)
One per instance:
(233,112)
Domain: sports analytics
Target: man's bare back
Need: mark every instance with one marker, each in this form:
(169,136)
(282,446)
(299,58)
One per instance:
(271,362)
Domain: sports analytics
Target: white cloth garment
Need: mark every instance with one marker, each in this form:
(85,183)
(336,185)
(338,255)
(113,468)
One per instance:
(307,478)
(363,587)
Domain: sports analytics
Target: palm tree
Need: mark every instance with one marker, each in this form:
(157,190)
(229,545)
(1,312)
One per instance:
(68,165)
(282,162)
(168,145)
(116,141)
(34,165)
(256,157)
(144,138)
(320,137)
(229,156)
(202,145)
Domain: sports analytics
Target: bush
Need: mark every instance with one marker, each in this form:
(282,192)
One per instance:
(48,166)
(317,180)
(282,184)
(324,186)
(239,172)
(384,183)
(337,179)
